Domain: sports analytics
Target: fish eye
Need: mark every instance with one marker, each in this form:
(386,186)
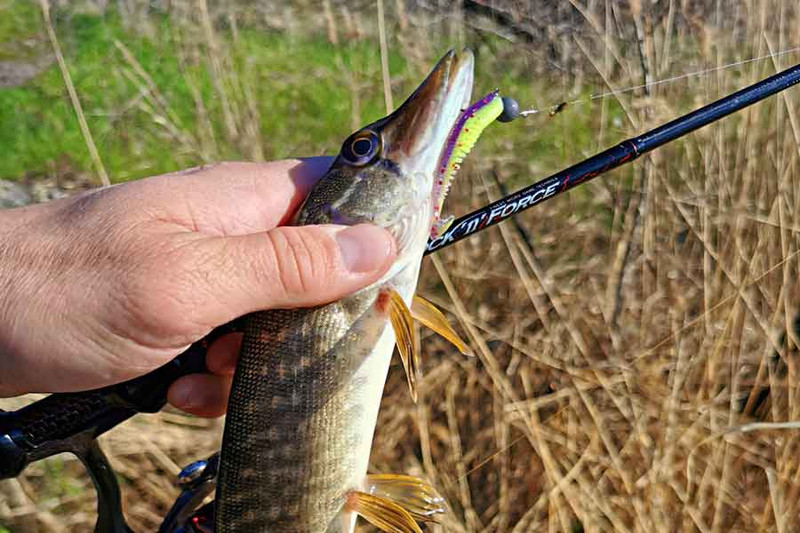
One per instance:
(361,147)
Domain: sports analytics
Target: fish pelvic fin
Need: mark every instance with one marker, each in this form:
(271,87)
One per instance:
(415,495)
(428,315)
(381,512)
(405,335)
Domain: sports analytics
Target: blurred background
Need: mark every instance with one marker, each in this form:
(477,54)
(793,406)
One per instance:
(636,345)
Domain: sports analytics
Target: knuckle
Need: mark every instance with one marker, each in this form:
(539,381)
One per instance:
(302,260)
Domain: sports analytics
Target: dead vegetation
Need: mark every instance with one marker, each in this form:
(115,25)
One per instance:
(631,373)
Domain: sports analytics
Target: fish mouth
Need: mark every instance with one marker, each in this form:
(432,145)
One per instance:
(415,134)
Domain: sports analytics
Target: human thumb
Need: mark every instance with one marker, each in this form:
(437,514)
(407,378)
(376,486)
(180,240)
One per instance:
(303,266)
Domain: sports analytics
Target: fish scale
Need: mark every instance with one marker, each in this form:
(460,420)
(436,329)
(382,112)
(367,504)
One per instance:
(289,447)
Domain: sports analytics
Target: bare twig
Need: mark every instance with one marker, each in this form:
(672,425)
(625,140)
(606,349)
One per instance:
(102,176)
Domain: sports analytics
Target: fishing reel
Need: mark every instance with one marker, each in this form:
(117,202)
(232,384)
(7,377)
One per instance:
(71,422)
(188,514)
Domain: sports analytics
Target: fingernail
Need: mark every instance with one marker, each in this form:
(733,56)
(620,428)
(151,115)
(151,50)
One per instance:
(365,247)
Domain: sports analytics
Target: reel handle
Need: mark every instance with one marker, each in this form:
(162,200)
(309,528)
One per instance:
(69,421)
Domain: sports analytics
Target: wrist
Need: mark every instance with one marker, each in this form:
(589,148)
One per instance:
(17,276)
(7,267)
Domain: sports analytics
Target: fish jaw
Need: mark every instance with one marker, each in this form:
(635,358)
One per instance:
(394,187)
(415,136)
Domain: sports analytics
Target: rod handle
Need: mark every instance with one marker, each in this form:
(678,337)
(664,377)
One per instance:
(69,421)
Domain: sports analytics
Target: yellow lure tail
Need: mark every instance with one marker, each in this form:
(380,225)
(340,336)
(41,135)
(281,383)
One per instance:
(463,136)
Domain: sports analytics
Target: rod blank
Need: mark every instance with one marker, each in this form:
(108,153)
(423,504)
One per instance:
(623,153)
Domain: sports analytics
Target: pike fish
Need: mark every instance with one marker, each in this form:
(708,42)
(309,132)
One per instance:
(308,384)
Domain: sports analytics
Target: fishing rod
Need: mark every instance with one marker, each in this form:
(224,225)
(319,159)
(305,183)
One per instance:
(72,421)
(625,152)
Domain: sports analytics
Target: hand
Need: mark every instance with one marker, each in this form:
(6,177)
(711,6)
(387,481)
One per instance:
(106,286)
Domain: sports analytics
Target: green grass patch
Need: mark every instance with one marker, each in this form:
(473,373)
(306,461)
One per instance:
(20,29)
(296,87)
(260,94)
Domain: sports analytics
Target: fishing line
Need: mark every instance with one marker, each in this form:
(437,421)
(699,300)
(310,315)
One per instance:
(491,457)
(486,460)
(611,158)
(558,107)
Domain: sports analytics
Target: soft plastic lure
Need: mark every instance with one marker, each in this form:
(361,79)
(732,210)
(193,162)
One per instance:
(462,138)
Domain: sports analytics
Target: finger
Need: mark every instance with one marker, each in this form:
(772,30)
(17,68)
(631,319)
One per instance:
(289,267)
(233,198)
(201,394)
(222,354)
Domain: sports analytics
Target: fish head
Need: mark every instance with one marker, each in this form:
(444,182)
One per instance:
(385,172)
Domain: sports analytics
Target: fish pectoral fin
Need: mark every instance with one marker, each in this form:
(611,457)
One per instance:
(415,495)
(405,335)
(427,314)
(381,512)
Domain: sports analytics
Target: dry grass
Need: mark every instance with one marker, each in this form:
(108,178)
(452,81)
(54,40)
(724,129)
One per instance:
(631,374)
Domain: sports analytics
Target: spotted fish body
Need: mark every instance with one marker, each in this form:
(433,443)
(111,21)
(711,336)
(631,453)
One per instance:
(308,383)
